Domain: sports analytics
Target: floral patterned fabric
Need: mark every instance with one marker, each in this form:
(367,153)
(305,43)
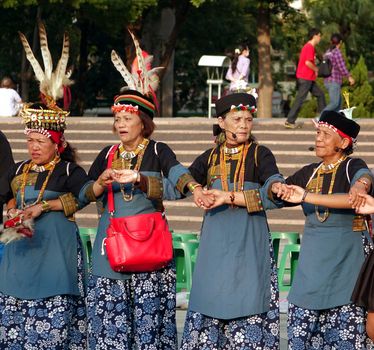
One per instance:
(136,313)
(253,332)
(340,328)
(57,322)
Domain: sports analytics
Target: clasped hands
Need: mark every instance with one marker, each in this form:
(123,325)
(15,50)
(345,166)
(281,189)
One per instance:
(358,199)
(121,176)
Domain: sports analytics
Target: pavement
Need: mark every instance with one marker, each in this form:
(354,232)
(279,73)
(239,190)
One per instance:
(181,315)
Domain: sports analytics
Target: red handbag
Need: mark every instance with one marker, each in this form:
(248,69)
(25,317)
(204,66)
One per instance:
(138,243)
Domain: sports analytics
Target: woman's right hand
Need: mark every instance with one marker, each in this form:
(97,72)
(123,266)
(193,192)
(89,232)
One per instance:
(106,178)
(13,212)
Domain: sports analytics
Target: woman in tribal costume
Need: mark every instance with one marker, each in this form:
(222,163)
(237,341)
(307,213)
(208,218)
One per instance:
(234,297)
(133,310)
(334,244)
(42,293)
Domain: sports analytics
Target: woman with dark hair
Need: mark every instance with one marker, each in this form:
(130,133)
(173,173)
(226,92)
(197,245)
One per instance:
(321,314)
(234,297)
(238,72)
(133,307)
(333,83)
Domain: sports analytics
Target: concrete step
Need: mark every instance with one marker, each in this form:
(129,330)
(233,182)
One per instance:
(189,137)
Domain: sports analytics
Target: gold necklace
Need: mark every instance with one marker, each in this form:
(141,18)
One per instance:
(126,164)
(239,169)
(128,155)
(334,167)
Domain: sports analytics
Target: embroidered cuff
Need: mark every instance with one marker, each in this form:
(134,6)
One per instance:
(358,224)
(154,187)
(253,201)
(183,181)
(90,194)
(69,204)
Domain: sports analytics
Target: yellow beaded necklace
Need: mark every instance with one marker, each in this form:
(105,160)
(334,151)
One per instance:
(321,170)
(126,164)
(32,166)
(239,169)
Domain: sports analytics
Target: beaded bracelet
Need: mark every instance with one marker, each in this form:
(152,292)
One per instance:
(366,184)
(232,198)
(304,196)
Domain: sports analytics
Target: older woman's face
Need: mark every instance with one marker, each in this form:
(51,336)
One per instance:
(41,148)
(128,127)
(238,122)
(327,141)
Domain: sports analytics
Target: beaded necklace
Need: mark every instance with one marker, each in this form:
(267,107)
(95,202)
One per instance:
(126,164)
(239,169)
(50,167)
(322,169)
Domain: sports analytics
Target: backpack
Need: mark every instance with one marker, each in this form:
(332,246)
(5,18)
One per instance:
(325,68)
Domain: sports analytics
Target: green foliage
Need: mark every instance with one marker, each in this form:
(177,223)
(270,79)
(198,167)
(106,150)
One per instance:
(361,94)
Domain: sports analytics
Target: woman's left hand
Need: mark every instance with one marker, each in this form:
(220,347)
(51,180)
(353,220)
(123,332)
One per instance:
(126,176)
(33,211)
(202,199)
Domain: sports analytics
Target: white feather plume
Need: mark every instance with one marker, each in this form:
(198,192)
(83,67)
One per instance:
(51,83)
(126,75)
(145,81)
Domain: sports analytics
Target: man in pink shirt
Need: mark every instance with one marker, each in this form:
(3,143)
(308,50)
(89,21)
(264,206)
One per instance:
(306,75)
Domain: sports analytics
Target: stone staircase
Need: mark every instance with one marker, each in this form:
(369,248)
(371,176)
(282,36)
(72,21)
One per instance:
(189,137)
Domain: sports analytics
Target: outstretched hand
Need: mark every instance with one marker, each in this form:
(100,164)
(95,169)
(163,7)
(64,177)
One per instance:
(357,195)
(366,206)
(220,197)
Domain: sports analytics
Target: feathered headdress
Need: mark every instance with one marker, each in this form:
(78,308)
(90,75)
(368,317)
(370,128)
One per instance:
(53,85)
(142,84)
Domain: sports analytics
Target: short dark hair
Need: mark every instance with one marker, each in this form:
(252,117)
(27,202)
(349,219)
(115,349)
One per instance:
(312,32)
(336,38)
(148,123)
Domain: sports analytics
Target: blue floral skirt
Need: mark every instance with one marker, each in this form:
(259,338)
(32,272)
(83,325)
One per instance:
(57,323)
(253,332)
(135,313)
(340,328)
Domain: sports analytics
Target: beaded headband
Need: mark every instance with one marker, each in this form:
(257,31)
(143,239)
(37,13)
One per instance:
(53,85)
(241,107)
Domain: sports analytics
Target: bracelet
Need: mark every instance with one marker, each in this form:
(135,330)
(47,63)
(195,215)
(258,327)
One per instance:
(192,187)
(100,182)
(45,206)
(304,196)
(232,198)
(366,184)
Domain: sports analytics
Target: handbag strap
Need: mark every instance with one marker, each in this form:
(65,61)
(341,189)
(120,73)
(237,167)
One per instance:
(112,151)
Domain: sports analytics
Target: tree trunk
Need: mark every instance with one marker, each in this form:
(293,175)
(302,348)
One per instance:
(181,10)
(26,69)
(264,62)
(82,68)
